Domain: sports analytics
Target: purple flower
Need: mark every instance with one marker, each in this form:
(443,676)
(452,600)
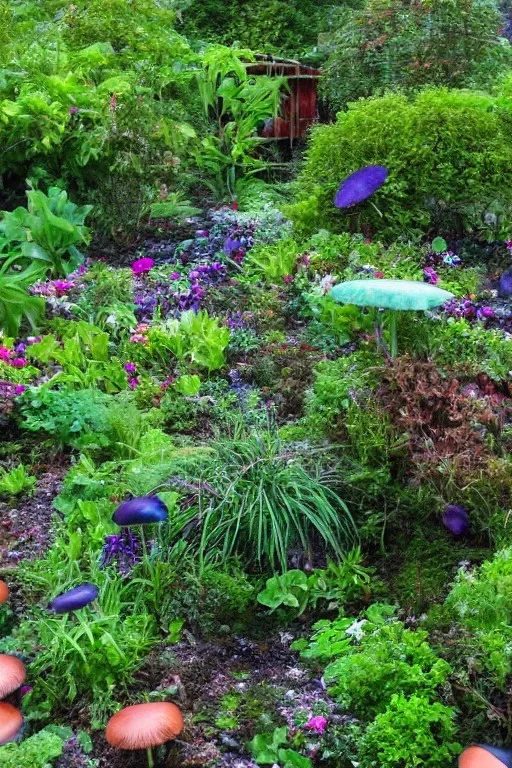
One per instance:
(485,312)
(133,383)
(231,245)
(318,724)
(20,349)
(10,390)
(62,286)
(175,276)
(122,548)
(141,266)
(76,598)
(34,339)
(360,185)
(194,275)
(430,276)
(202,233)
(288,279)
(130,368)
(451,259)
(456,519)
(73,110)
(18,362)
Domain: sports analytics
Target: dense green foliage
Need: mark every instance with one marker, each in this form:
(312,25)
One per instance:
(388,46)
(448,153)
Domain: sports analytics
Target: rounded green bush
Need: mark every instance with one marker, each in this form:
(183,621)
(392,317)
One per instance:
(449,156)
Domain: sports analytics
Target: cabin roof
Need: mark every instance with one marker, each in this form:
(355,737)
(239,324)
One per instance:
(266,64)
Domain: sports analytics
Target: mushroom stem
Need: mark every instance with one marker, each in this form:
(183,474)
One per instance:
(392,330)
(151,762)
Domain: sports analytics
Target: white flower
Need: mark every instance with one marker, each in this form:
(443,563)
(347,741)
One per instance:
(327,282)
(356,630)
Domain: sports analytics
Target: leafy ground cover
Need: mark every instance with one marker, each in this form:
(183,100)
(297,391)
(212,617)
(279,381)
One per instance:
(256,433)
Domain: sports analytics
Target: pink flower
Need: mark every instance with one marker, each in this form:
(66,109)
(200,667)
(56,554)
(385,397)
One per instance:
(140,266)
(317,724)
(288,279)
(5,353)
(62,286)
(378,274)
(19,389)
(18,362)
(138,338)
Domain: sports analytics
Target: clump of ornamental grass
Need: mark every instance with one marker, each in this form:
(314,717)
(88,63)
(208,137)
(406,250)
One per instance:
(266,502)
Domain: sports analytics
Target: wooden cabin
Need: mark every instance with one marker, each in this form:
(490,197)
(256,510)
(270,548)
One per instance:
(300,105)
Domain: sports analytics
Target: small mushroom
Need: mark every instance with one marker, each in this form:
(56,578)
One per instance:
(394,295)
(485,756)
(456,519)
(11,721)
(4,592)
(360,185)
(144,726)
(75,599)
(12,674)
(140,511)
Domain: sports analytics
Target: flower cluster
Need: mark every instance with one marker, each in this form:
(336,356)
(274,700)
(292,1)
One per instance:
(430,276)
(448,258)
(9,390)
(467,309)
(58,287)
(142,266)
(140,334)
(13,357)
(122,548)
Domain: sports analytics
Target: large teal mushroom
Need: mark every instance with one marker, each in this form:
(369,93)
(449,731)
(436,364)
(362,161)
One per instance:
(395,295)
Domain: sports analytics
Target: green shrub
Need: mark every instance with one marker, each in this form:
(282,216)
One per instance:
(411,732)
(449,156)
(481,602)
(392,660)
(209,599)
(38,751)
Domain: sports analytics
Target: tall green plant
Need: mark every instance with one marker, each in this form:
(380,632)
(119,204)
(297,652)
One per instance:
(237,104)
(266,503)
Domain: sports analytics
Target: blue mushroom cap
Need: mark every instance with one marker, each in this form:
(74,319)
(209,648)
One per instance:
(140,511)
(360,185)
(456,519)
(76,598)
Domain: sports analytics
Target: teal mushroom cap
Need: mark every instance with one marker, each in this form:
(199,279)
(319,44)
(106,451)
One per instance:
(390,294)
(395,295)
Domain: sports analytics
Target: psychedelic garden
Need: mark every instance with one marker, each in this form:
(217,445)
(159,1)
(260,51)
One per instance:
(255,391)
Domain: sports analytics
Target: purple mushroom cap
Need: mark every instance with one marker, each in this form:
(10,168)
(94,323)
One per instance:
(140,511)
(360,185)
(76,598)
(456,519)
(505,286)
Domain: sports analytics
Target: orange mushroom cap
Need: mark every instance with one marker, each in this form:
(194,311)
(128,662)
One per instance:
(144,725)
(478,757)
(11,721)
(4,592)
(12,674)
